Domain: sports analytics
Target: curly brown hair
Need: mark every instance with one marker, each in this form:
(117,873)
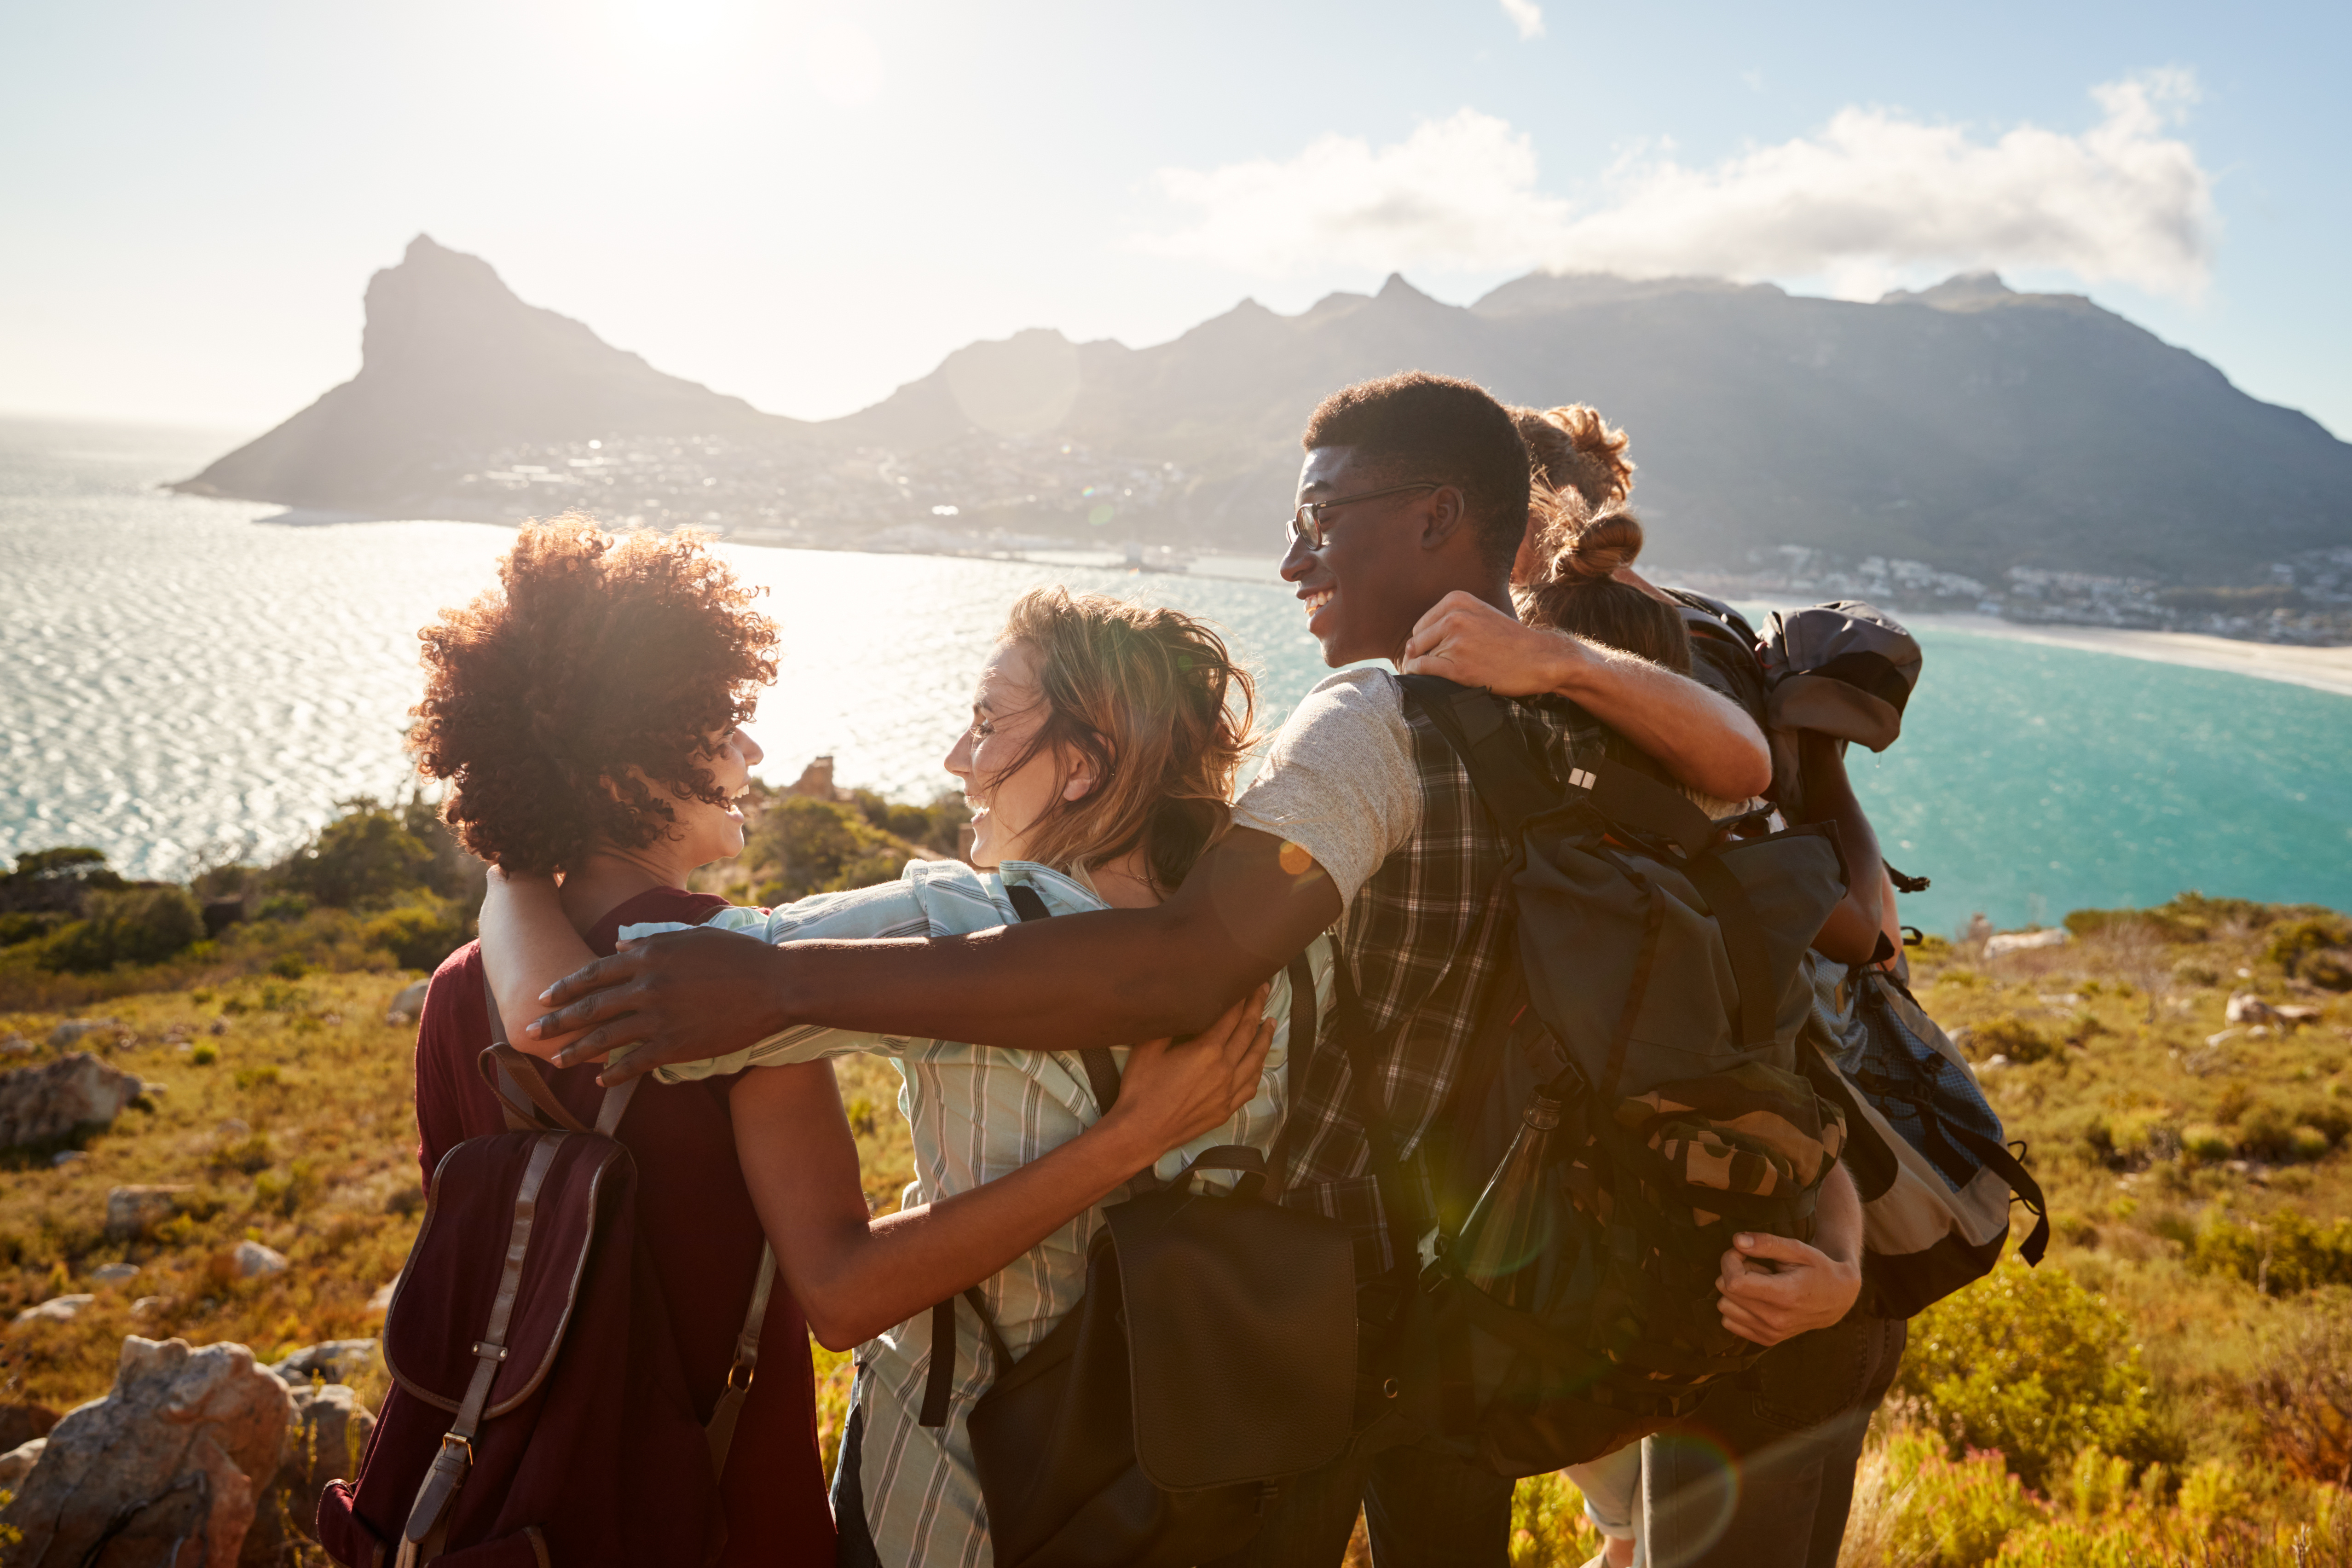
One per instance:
(595,655)
(1580,594)
(1156,706)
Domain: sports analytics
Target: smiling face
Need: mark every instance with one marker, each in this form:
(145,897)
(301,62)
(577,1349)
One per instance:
(1367,586)
(704,833)
(1010,796)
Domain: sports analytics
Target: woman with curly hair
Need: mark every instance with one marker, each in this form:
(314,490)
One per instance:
(1580,471)
(1099,762)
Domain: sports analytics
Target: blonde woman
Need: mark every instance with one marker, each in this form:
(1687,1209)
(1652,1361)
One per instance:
(1099,762)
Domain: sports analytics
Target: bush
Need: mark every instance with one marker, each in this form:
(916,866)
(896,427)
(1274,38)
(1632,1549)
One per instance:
(1958,1511)
(2283,1254)
(419,933)
(816,847)
(2296,941)
(2301,1389)
(22,927)
(2029,1363)
(368,856)
(2012,1036)
(140,925)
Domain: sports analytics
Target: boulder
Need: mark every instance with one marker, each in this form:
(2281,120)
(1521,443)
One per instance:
(74,1030)
(13,1044)
(2026,941)
(382,1300)
(409,1006)
(49,1101)
(22,1423)
(335,1360)
(18,1462)
(55,1310)
(131,1210)
(114,1273)
(2245,1007)
(166,1468)
(328,1434)
(250,1258)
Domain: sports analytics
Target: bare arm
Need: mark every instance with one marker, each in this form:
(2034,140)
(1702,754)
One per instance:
(855,1276)
(1850,933)
(527,945)
(1702,738)
(1806,1287)
(1079,980)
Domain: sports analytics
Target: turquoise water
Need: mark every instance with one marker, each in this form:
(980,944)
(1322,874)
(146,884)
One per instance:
(186,682)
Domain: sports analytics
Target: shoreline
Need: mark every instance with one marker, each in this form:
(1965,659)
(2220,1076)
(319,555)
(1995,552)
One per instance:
(2325,669)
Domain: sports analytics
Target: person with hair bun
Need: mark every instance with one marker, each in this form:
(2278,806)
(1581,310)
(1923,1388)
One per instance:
(1099,763)
(1581,593)
(1580,471)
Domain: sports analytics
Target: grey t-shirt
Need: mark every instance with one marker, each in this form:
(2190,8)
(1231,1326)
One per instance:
(1340,780)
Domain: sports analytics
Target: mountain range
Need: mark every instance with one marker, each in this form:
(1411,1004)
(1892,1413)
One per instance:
(1967,426)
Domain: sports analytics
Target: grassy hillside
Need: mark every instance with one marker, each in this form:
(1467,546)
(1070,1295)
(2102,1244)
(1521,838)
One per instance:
(2192,1327)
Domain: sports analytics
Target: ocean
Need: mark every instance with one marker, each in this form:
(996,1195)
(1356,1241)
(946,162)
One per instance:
(188,682)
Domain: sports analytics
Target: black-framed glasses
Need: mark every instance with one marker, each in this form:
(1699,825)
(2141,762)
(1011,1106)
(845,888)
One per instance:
(1307,521)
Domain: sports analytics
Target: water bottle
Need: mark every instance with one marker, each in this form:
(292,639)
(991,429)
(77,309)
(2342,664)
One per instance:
(1503,1240)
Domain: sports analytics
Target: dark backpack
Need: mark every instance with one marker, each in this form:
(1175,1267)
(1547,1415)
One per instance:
(1634,1102)
(1213,1356)
(1929,1153)
(537,1410)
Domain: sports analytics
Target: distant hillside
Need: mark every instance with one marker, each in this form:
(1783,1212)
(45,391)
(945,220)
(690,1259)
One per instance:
(1966,427)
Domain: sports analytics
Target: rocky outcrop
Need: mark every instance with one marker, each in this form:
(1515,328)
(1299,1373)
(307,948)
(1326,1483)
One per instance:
(22,1423)
(131,1210)
(74,1030)
(167,1468)
(18,1462)
(250,1258)
(409,1006)
(49,1101)
(329,1432)
(56,1308)
(335,1360)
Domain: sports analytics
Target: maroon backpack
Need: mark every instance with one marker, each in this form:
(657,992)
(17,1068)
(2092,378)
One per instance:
(539,1414)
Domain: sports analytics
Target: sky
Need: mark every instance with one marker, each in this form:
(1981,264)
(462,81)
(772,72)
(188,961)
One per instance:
(808,206)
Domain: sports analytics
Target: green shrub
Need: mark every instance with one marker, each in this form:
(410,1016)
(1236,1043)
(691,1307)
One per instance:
(18,927)
(1958,1511)
(818,845)
(138,925)
(204,1055)
(419,933)
(2027,1362)
(2282,1254)
(2296,941)
(367,856)
(2010,1036)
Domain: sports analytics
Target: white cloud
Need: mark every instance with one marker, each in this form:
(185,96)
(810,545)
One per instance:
(1873,195)
(1526,15)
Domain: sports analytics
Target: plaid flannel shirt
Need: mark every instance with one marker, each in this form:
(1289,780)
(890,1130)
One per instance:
(1425,941)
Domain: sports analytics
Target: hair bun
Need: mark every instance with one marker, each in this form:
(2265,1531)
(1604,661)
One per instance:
(1601,547)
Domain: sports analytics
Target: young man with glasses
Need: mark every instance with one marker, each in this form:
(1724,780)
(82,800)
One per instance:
(1411,506)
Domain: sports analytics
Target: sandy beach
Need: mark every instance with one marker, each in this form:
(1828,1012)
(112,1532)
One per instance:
(2322,669)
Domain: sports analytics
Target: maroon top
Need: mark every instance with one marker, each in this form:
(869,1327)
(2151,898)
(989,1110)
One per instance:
(696,1221)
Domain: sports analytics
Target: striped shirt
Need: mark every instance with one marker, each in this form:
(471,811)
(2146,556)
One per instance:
(976,1113)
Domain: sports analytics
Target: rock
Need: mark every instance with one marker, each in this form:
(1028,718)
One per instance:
(336,1360)
(1992,1063)
(114,1273)
(67,1157)
(166,1468)
(73,1029)
(131,1211)
(234,1127)
(22,1423)
(146,1304)
(2245,1007)
(2025,940)
(2294,1014)
(49,1101)
(218,1027)
(18,1462)
(382,1300)
(2223,1039)
(329,1432)
(251,1259)
(409,1006)
(14,1045)
(55,1310)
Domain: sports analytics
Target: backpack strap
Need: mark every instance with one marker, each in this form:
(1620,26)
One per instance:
(1102,1068)
(722,1428)
(520,1083)
(427,1525)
